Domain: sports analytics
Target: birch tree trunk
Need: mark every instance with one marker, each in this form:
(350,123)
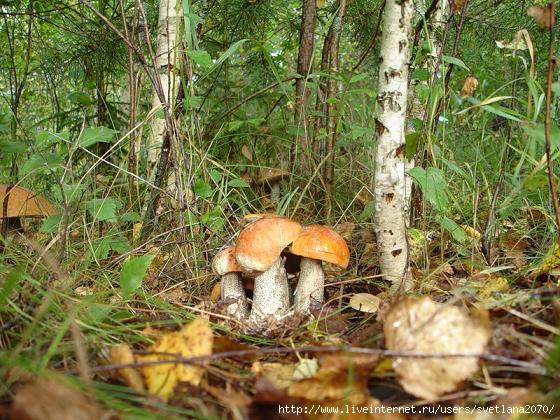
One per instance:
(168,72)
(389,182)
(431,63)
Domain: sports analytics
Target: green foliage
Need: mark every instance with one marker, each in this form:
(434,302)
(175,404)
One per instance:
(133,272)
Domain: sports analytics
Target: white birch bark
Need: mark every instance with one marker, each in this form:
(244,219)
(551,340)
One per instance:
(168,71)
(430,63)
(389,181)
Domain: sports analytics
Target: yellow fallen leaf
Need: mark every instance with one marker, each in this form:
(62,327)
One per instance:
(424,326)
(340,377)
(549,262)
(278,374)
(194,339)
(122,354)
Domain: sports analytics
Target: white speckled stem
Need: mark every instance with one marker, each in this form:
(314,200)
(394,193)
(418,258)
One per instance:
(311,284)
(232,291)
(271,295)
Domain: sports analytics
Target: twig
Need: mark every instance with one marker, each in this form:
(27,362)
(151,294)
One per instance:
(550,71)
(317,349)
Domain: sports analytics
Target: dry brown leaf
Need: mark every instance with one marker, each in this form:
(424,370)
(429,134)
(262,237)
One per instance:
(47,399)
(341,376)
(122,354)
(542,16)
(469,86)
(365,302)
(246,151)
(194,339)
(457,4)
(424,326)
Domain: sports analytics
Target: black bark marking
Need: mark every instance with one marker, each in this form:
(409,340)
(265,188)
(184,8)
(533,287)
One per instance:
(379,127)
(389,197)
(396,252)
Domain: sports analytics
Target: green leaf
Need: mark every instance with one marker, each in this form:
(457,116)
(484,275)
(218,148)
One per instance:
(43,161)
(367,212)
(357,131)
(432,182)
(12,147)
(10,282)
(234,47)
(45,139)
(215,175)
(454,229)
(191,102)
(535,182)
(93,135)
(420,74)
(80,98)
(130,217)
(455,61)
(536,131)
(200,57)
(104,209)
(238,183)
(102,246)
(133,272)
(202,189)
(358,77)
(51,224)
(411,144)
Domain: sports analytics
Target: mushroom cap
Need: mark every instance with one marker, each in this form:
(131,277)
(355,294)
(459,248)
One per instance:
(260,244)
(253,217)
(322,243)
(271,175)
(24,203)
(224,262)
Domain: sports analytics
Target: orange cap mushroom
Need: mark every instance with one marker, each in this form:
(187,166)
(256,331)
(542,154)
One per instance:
(260,244)
(224,262)
(315,244)
(322,243)
(24,203)
(258,251)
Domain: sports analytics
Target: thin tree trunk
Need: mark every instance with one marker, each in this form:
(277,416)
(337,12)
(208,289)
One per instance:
(331,106)
(167,70)
(436,16)
(319,144)
(389,182)
(305,56)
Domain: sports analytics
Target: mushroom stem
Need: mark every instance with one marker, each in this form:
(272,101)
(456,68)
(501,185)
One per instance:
(233,295)
(275,192)
(271,295)
(310,287)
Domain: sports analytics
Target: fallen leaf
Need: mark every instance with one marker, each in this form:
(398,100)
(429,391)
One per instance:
(280,375)
(550,261)
(48,399)
(469,86)
(246,151)
(365,302)
(306,368)
(122,354)
(194,339)
(542,16)
(424,326)
(341,376)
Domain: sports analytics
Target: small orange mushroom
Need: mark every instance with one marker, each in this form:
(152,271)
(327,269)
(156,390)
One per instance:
(316,243)
(17,202)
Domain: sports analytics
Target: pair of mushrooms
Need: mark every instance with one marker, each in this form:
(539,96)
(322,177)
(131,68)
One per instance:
(258,254)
